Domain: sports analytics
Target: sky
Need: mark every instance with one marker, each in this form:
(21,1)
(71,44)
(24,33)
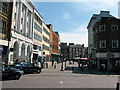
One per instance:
(70,18)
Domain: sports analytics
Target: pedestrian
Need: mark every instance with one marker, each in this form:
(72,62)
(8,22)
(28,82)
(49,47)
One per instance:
(52,62)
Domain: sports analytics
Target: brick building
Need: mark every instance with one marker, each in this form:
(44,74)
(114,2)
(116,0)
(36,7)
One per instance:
(55,46)
(107,42)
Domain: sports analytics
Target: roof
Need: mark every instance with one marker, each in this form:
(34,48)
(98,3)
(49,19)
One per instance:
(102,14)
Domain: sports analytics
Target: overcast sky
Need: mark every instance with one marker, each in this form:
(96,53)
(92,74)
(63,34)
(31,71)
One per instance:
(70,18)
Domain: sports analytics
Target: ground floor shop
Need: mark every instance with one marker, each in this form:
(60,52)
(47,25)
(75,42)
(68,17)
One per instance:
(19,49)
(112,65)
(55,58)
(3,53)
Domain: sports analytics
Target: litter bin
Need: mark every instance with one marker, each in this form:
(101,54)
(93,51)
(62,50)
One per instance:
(46,65)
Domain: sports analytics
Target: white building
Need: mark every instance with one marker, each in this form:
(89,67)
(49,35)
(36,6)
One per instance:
(90,26)
(46,40)
(37,36)
(22,31)
(119,9)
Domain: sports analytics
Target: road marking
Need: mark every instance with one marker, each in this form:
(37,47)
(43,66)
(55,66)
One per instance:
(61,82)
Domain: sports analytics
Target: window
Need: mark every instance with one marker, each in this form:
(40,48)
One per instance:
(21,20)
(102,28)
(73,49)
(103,44)
(27,24)
(4,8)
(22,9)
(37,27)
(114,27)
(5,5)
(3,24)
(16,4)
(15,16)
(114,43)
(38,37)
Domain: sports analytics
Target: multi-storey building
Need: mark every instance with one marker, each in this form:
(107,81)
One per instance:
(51,36)
(76,51)
(46,40)
(64,50)
(107,42)
(55,46)
(5,29)
(37,36)
(22,31)
(93,20)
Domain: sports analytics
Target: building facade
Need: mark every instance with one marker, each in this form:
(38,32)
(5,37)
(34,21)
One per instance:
(22,31)
(93,20)
(55,46)
(5,29)
(45,42)
(37,36)
(51,36)
(76,51)
(107,42)
(64,50)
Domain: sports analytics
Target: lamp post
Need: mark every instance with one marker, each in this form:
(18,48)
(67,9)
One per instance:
(61,63)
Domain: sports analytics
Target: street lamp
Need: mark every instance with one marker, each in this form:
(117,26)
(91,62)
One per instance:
(61,63)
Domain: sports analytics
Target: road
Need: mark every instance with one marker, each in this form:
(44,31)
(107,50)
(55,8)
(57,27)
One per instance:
(54,78)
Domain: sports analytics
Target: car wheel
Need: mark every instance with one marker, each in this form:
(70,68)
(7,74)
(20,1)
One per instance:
(17,76)
(38,70)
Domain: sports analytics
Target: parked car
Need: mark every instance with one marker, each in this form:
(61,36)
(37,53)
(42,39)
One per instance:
(27,67)
(10,72)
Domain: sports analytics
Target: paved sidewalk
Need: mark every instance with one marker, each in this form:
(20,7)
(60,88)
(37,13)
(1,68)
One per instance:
(54,78)
(73,68)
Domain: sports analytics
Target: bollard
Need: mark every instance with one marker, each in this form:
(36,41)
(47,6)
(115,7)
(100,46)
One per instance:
(46,65)
(54,66)
(117,86)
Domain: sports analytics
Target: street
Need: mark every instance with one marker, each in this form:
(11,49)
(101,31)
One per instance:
(54,78)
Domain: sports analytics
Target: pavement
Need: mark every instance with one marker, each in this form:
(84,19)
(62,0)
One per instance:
(55,78)
(73,68)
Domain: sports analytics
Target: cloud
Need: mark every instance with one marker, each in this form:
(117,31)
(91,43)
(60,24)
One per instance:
(92,6)
(77,36)
(66,15)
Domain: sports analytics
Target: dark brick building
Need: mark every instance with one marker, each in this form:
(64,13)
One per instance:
(107,43)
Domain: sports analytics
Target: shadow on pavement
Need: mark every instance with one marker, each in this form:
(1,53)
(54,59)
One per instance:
(85,70)
(68,68)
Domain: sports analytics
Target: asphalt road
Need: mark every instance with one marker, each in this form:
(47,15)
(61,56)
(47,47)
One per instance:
(54,78)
